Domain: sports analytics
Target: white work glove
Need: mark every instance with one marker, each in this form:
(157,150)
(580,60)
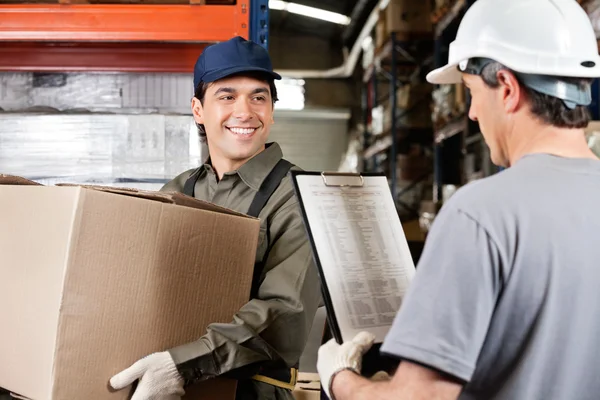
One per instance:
(334,358)
(158,378)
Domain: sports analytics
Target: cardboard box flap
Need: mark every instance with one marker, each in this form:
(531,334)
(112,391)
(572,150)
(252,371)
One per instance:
(16,396)
(16,180)
(184,200)
(164,197)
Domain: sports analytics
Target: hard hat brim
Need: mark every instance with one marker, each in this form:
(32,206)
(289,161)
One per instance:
(445,75)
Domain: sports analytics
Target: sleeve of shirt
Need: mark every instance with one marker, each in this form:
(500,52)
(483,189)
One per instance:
(444,318)
(270,331)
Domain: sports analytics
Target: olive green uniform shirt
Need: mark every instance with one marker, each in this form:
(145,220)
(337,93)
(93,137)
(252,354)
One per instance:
(269,331)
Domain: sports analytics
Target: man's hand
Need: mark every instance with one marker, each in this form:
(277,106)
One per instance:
(158,378)
(334,358)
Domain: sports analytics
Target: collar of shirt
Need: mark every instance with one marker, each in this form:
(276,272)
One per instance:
(256,169)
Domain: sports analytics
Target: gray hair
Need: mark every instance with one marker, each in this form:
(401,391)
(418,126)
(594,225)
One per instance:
(548,109)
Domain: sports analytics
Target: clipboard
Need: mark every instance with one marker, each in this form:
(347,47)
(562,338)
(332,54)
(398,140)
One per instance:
(340,189)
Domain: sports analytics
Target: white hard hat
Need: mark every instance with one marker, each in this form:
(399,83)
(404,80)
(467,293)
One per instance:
(541,37)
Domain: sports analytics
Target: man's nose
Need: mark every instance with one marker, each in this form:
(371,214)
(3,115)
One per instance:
(242,110)
(472,114)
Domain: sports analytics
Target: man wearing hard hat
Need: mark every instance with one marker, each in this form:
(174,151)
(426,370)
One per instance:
(505,303)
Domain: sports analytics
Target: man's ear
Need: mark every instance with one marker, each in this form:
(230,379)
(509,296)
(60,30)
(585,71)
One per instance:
(510,90)
(197,111)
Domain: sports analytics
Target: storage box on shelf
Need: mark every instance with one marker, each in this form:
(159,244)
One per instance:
(408,17)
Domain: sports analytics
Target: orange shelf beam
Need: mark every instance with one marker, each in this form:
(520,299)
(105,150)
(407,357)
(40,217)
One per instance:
(119,22)
(99,57)
(114,37)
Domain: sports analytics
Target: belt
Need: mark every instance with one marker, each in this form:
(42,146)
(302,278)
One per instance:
(285,379)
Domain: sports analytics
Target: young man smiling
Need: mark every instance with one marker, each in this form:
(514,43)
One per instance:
(233,108)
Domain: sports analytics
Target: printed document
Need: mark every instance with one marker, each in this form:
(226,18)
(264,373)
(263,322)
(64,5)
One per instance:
(362,250)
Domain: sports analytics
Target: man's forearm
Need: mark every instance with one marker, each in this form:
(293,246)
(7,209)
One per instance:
(238,348)
(411,381)
(350,386)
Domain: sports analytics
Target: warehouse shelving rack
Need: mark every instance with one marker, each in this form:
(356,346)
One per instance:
(459,136)
(70,36)
(451,143)
(398,62)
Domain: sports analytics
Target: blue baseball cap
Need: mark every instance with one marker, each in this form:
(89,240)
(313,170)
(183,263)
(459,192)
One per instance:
(236,55)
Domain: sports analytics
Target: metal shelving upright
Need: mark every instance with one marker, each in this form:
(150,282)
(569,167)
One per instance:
(259,22)
(449,144)
(400,53)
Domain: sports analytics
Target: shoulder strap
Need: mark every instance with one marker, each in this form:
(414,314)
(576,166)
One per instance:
(190,183)
(268,186)
(263,195)
(266,190)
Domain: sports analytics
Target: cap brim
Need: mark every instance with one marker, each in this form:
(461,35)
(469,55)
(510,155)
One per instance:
(224,73)
(445,75)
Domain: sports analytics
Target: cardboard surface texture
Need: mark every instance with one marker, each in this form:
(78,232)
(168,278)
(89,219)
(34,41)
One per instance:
(94,279)
(308,387)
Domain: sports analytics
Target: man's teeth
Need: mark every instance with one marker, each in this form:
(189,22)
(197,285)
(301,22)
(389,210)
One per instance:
(242,131)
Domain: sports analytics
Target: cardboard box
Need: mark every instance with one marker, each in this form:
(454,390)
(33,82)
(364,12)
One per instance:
(413,166)
(308,387)
(381,31)
(93,279)
(415,95)
(409,17)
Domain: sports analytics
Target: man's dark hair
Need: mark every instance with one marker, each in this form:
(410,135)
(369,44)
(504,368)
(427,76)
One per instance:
(548,109)
(200,93)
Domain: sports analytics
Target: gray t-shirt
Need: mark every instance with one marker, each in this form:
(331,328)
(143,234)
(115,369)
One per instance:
(507,292)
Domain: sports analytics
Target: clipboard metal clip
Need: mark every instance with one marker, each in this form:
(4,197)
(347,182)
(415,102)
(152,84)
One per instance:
(342,179)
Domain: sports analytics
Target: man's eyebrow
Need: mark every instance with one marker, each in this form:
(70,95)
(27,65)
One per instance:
(260,90)
(224,90)
(230,90)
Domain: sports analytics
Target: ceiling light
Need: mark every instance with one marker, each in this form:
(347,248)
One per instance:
(277,5)
(309,12)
